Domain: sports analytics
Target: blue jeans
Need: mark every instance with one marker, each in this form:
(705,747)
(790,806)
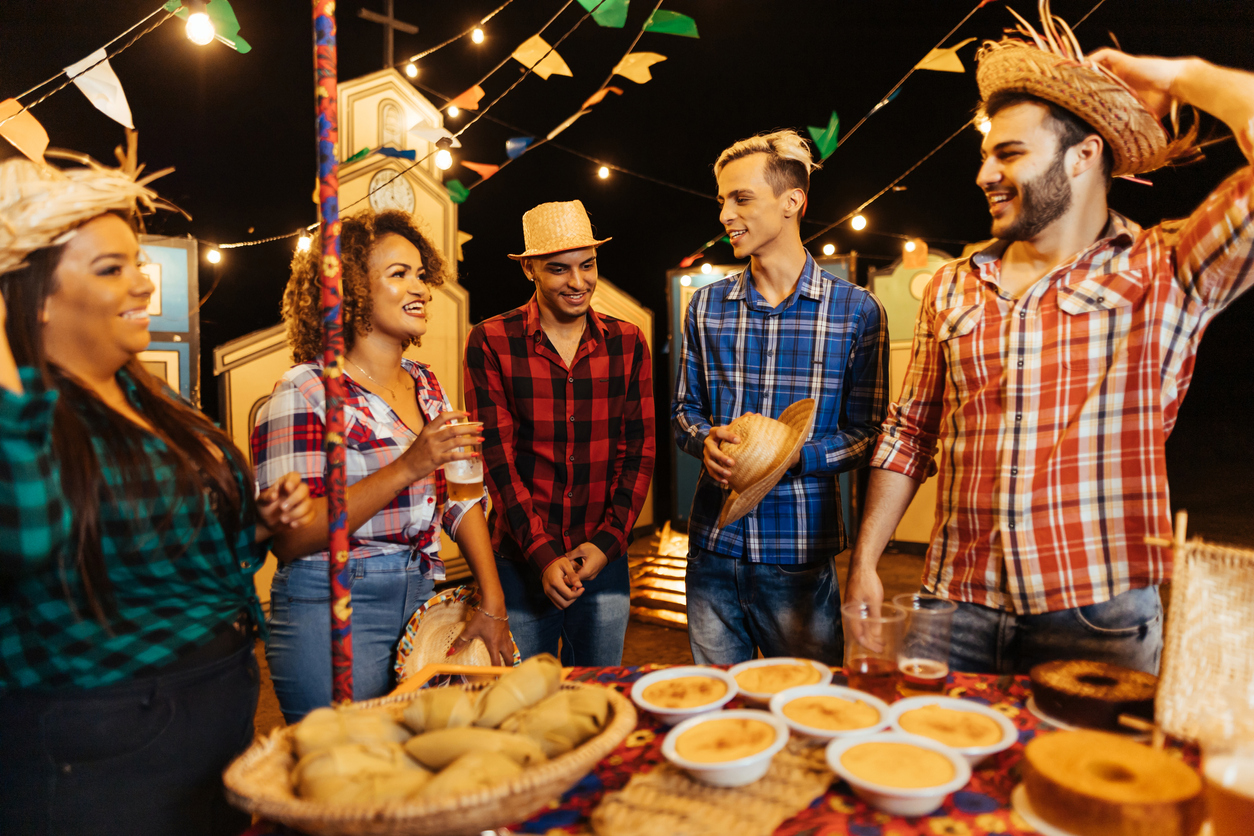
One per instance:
(1127,630)
(592,629)
(736,608)
(386,591)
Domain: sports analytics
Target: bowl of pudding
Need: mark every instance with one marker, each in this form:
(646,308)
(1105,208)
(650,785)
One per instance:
(761,679)
(974,730)
(900,774)
(728,748)
(826,712)
(674,694)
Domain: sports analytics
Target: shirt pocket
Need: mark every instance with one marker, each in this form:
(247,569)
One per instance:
(959,336)
(1097,318)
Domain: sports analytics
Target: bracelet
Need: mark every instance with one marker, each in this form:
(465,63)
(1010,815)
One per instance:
(491,616)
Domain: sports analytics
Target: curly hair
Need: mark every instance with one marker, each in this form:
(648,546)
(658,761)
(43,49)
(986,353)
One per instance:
(302,299)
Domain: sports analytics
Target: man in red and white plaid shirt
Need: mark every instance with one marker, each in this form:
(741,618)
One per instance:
(1048,371)
(565,395)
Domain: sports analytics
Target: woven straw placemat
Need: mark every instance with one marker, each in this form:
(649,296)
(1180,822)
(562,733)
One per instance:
(666,800)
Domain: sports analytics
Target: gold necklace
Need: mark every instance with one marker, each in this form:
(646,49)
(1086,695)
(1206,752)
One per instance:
(372,380)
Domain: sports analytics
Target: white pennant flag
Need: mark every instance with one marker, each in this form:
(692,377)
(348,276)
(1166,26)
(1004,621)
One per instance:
(101,87)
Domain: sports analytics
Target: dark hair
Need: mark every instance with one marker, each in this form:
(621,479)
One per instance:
(1070,129)
(302,299)
(187,432)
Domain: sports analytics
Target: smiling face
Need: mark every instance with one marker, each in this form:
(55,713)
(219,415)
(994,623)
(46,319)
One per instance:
(96,318)
(564,282)
(1024,173)
(753,216)
(398,295)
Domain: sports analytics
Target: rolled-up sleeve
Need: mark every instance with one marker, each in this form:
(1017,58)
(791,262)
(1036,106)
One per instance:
(289,434)
(34,517)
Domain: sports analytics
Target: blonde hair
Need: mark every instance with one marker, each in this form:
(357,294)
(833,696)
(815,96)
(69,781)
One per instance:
(788,163)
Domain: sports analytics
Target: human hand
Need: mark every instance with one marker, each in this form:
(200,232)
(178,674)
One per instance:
(717,463)
(1151,78)
(285,504)
(561,582)
(589,559)
(493,632)
(863,586)
(440,443)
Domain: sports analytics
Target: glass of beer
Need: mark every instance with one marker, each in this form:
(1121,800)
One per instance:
(924,656)
(465,476)
(872,643)
(1228,771)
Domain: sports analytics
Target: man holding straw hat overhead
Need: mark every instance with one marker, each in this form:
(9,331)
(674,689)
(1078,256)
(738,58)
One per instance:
(809,352)
(1048,369)
(565,395)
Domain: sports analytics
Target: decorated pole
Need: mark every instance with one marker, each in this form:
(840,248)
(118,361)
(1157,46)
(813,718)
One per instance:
(333,350)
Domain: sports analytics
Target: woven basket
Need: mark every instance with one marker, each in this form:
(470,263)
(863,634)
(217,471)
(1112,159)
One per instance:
(259,782)
(1208,653)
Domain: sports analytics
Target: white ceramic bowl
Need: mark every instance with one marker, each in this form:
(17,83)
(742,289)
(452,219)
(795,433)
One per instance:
(900,801)
(973,754)
(789,694)
(671,716)
(762,698)
(735,773)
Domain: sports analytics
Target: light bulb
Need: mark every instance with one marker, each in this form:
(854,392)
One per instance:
(454,110)
(303,243)
(411,70)
(603,172)
(983,125)
(858,222)
(200,28)
(706,268)
(910,246)
(829,249)
(477,35)
(214,256)
(443,160)
(685,280)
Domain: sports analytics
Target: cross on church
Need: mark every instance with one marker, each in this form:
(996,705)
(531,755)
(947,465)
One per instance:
(390,26)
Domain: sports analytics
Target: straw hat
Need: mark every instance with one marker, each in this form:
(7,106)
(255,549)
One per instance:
(1054,68)
(557,227)
(433,629)
(766,446)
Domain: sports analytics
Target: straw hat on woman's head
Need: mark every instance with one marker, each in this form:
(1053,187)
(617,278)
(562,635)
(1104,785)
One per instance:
(555,228)
(766,447)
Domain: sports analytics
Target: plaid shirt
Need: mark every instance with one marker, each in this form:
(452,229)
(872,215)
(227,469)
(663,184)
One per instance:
(1051,410)
(569,451)
(178,576)
(828,341)
(288,436)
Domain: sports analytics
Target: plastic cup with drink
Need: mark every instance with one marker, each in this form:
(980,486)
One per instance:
(465,476)
(872,643)
(924,655)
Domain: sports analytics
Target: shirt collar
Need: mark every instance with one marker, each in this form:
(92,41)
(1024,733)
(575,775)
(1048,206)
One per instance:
(809,284)
(534,329)
(1118,234)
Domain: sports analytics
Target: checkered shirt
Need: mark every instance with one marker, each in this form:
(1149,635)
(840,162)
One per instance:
(1050,411)
(828,341)
(178,576)
(569,452)
(288,436)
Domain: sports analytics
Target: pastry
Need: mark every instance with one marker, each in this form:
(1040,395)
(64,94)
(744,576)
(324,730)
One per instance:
(960,729)
(901,765)
(771,679)
(563,721)
(357,773)
(725,739)
(323,728)
(440,708)
(437,749)
(684,692)
(831,713)
(472,771)
(521,688)
(1092,694)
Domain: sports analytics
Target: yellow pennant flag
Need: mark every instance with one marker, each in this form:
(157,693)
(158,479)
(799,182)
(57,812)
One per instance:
(532,55)
(22,130)
(462,239)
(635,66)
(944,60)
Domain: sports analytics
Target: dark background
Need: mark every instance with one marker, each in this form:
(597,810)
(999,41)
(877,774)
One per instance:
(239,131)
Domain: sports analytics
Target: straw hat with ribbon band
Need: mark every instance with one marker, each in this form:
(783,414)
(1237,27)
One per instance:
(1053,67)
(433,629)
(555,228)
(766,447)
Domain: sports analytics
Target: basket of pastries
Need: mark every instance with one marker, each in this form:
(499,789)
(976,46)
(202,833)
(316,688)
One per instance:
(452,760)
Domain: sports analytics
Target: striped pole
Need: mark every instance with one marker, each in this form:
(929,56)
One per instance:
(333,350)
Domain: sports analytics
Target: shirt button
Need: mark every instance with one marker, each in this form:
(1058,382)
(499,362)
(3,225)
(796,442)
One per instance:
(1018,416)
(572,458)
(1012,526)
(570,494)
(570,380)
(1101,299)
(1020,364)
(572,418)
(1023,314)
(1014,471)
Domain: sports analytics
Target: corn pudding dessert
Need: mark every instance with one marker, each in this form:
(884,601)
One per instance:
(730,739)
(951,727)
(771,679)
(684,691)
(831,713)
(898,765)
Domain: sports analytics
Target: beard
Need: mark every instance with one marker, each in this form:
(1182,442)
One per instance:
(1042,201)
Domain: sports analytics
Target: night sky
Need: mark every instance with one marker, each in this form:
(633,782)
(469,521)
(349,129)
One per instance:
(239,131)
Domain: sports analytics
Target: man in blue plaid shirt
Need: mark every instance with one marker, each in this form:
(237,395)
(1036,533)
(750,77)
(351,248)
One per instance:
(780,331)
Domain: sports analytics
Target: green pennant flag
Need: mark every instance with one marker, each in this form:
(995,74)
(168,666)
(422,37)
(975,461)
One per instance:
(359,155)
(457,191)
(610,13)
(225,24)
(826,139)
(671,23)
(726,239)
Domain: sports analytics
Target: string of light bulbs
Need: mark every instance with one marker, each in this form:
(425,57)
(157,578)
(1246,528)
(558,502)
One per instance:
(475,33)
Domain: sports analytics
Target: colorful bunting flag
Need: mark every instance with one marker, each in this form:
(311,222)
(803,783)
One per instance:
(225,24)
(389,151)
(566,124)
(672,23)
(434,134)
(360,155)
(915,259)
(22,130)
(725,240)
(534,54)
(944,60)
(826,139)
(687,262)
(468,100)
(635,66)
(611,14)
(514,148)
(457,191)
(599,96)
(462,238)
(100,84)
(484,170)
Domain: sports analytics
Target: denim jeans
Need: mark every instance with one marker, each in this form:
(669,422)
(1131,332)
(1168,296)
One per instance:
(143,757)
(736,608)
(1127,630)
(386,591)
(591,629)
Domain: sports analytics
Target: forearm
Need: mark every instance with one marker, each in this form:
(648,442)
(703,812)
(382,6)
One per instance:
(9,377)
(888,496)
(475,542)
(1224,93)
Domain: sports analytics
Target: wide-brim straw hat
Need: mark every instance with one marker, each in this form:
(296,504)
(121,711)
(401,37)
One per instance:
(1052,67)
(557,227)
(766,446)
(433,629)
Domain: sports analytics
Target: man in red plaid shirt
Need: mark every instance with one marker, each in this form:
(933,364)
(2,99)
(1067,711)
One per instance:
(565,395)
(1048,369)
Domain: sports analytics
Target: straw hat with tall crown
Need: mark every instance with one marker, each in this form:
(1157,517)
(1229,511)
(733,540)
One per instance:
(557,227)
(766,447)
(1053,67)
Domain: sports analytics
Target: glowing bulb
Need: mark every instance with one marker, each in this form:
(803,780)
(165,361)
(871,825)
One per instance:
(685,280)
(303,243)
(910,246)
(706,268)
(453,110)
(983,125)
(858,222)
(477,35)
(411,70)
(214,256)
(443,160)
(603,172)
(200,28)
(829,249)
